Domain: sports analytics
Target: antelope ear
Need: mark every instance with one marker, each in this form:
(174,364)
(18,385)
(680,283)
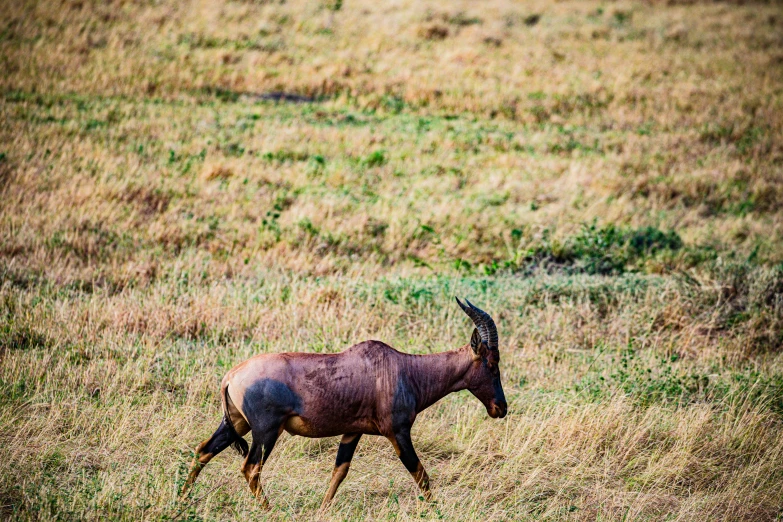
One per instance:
(475,340)
(479,347)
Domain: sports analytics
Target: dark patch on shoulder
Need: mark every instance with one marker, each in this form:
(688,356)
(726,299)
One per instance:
(403,404)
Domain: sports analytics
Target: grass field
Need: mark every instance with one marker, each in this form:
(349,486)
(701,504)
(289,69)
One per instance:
(185,184)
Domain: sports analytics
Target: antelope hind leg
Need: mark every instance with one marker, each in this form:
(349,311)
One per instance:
(263,444)
(223,437)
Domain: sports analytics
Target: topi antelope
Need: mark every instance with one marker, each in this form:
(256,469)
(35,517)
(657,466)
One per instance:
(371,389)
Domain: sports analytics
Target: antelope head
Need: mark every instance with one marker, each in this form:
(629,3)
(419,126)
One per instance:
(483,377)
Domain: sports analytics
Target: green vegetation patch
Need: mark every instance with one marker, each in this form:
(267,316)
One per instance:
(666,381)
(603,250)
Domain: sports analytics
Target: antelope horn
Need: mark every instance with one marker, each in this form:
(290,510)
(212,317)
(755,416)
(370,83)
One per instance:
(471,312)
(489,326)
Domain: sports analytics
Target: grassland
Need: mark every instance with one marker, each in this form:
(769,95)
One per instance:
(185,184)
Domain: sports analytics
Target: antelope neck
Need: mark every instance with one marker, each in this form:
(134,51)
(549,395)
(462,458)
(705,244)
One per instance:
(433,376)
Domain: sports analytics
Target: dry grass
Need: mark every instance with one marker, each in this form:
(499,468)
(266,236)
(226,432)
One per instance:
(185,184)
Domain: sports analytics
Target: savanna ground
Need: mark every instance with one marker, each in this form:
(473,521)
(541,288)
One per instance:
(185,184)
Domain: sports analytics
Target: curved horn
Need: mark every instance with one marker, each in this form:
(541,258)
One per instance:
(478,320)
(489,325)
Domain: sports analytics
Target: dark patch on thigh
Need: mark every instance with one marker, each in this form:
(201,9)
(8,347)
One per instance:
(267,402)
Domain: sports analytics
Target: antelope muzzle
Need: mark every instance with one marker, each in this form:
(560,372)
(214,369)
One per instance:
(497,409)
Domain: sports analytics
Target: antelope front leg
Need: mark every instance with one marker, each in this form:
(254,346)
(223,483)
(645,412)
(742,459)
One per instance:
(404,447)
(341,465)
